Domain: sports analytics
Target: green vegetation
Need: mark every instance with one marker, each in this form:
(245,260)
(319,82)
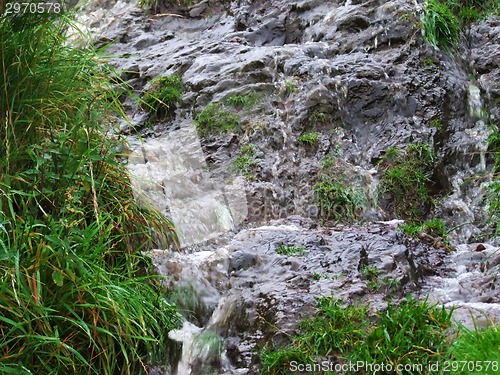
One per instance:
(245,162)
(477,345)
(215,118)
(406,179)
(413,332)
(245,101)
(371,274)
(444,20)
(319,117)
(327,162)
(435,227)
(441,27)
(493,196)
(336,201)
(389,285)
(428,62)
(76,296)
(437,124)
(469,11)
(161,97)
(321,276)
(309,138)
(291,85)
(290,249)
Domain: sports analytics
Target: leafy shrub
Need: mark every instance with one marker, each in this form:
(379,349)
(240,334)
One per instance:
(162,96)
(215,118)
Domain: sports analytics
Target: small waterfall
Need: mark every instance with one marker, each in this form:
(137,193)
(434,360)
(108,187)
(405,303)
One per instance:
(186,336)
(480,130)
(170,173)
(202,351)
(192,288)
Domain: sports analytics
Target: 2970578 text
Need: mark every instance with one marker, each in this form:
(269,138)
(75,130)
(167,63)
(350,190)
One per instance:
(33,7)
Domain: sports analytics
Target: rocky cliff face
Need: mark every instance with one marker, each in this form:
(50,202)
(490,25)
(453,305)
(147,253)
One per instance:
(358,77)
(359,73)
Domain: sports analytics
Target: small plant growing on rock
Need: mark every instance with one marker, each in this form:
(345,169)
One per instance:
(405,180)
(290,249)
(335,200)
(309,138)
(428,62)
(244,101)
(370,273)
(327,162)
(437,124)
(216,119)
(162,95)
(246,161)
(435,228)
(291,86)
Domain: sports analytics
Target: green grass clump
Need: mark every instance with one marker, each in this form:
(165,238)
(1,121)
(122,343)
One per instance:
(469,11)
(309,138)
(411,332)
(435,227)
(290,249)
(441,27)
(245,101)
(76,295)
(406,178)
(163,94)
(336,201)
(444,20)
(216,119)
(371,273)
(480,347)
(327,162)
(245,162)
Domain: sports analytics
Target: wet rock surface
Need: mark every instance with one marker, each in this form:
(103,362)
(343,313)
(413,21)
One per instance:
(251,295)
(359,74)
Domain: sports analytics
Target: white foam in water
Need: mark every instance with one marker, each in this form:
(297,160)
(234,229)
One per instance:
(186,335)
